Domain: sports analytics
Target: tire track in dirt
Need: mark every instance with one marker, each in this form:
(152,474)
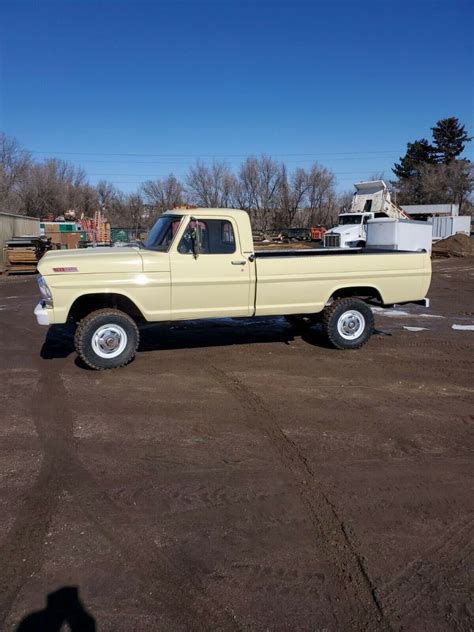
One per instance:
(362,608)
(167,580)
(21,554)
(407,593)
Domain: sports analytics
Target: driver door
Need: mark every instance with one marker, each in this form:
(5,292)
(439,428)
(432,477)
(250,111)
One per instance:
(215,282)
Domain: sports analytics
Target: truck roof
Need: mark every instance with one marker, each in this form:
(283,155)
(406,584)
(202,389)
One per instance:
(207,211)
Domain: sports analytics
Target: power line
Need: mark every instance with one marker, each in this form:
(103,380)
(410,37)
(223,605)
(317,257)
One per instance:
(137,182)
(139,175)
(181,175)
(140,155)
(181,162)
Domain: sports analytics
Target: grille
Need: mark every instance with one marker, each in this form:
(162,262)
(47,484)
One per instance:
(332,241)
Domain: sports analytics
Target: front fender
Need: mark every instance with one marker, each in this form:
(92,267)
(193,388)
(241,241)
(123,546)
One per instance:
(150,293)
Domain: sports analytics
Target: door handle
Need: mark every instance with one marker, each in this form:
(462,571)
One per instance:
(238,263)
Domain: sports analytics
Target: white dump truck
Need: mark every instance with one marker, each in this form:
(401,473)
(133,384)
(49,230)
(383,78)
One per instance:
(371,200)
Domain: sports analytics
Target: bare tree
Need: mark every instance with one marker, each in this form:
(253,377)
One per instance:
(440,183)
(164,194)
(211,187)
(259,190)
(450,183)
(54,186)
(272,196)
(14,165)
(248,186)
(322,201)
(106,195)
(344,201)
(134,211)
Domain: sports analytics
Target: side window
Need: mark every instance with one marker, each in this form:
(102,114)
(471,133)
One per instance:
(217,237)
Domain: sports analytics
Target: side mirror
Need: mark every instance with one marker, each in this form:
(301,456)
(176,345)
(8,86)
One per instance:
(196,237)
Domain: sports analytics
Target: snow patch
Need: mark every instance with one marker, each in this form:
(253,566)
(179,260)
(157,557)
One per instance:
(400,313)
(416,328)
(463,327)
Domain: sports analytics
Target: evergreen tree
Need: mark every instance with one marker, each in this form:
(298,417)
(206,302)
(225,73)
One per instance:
(418,153)
(450,138)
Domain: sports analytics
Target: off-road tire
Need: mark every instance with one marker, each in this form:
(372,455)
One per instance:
(89,325)
(332,314)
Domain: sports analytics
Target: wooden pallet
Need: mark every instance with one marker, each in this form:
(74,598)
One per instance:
(20,269)
(20,257)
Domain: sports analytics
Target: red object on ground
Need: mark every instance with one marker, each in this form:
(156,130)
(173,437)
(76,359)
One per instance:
(317,232)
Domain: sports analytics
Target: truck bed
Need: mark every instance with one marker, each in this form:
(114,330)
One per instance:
(302,281)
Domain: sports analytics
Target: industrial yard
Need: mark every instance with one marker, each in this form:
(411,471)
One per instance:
(237,476)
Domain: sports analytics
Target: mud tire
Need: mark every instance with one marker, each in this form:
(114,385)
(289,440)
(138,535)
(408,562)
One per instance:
(87,328)
(333,316)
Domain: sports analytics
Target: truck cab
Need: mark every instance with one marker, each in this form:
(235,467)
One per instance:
(351,232)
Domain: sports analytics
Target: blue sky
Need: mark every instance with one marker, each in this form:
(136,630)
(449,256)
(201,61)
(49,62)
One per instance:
(344,83)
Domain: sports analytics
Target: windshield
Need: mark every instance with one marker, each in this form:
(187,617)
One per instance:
(350,219)
(162,234)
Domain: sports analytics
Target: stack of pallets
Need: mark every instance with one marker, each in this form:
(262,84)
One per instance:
(21,254)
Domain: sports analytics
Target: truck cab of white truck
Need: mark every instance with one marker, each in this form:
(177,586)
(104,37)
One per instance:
(351,232)
(371,200)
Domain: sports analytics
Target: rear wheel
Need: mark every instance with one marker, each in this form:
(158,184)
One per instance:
(106,339)
(348,323)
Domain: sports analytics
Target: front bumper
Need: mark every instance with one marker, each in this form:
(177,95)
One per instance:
(41,313)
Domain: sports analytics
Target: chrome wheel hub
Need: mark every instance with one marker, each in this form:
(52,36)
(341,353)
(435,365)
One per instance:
(351,324)
(109,341)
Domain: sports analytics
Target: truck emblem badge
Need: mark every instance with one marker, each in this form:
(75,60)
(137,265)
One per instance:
(65,269)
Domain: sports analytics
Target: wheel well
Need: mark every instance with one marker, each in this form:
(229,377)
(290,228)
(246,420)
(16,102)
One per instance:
(88,303)
(364,292)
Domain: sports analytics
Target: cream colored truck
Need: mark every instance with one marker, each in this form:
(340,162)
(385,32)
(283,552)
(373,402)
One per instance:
(202,263)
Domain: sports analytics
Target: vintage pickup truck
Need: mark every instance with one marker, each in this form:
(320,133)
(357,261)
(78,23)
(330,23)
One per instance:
(202,263)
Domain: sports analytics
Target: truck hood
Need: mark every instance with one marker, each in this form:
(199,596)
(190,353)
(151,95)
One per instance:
(344,230)
(91,260)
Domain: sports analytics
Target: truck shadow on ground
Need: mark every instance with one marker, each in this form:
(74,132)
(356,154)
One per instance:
(62,606)
(225,332)
(59,342)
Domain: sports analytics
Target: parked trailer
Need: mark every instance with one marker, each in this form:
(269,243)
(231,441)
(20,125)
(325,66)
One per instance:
(399,234)
(447,226)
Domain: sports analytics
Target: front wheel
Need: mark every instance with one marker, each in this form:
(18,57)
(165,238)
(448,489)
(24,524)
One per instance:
(348,323)
(106,339)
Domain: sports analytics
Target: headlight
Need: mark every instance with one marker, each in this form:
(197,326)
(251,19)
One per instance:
(45,291)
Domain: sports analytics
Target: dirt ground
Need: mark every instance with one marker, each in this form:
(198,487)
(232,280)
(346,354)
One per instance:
(238,477)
